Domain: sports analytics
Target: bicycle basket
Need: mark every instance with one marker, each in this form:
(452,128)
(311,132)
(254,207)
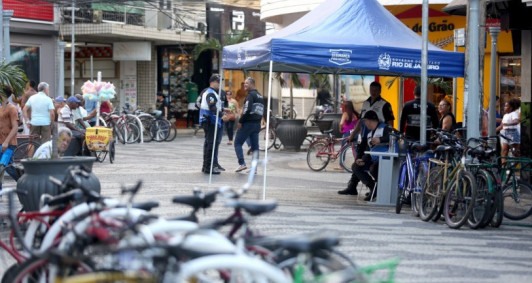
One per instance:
(97,138)
(382,272)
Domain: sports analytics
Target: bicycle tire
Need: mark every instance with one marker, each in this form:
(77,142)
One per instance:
(460,200)
(172,134)
(146,121)
(347,157)
(160,129)
(482,207)
(256,269)
(110,277)
(421,177)
(401,185)
(10,273)
(309,122)
(431,194)
(262,139)
(133,133)
(318,156)
(32,270)
(118,135)
(25,150)
(517,201)
(112,152)
(498,209)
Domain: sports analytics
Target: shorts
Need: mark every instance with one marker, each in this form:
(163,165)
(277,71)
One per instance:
(513,134)
(7,156)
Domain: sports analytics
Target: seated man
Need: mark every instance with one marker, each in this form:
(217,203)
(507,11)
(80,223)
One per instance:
(64,136)
(377,138)
(66,119)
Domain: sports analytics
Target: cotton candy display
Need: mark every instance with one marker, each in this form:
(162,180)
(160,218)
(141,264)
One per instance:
(103,91)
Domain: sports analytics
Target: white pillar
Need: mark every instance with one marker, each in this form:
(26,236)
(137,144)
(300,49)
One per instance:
(7,14)
(472,105)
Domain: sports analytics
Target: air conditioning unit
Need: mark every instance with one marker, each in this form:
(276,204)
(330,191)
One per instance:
(165,20)
(97,16)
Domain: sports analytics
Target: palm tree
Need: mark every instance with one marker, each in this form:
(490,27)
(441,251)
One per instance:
(12,76)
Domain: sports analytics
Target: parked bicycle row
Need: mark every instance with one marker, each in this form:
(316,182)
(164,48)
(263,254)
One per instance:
(464,182)
(133,126)
(81,236)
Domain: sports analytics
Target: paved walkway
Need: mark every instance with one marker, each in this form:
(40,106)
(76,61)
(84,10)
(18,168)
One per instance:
(429,252)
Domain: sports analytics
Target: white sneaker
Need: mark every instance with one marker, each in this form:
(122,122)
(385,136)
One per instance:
(241,168)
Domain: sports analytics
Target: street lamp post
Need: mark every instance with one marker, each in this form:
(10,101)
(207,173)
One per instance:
(472,103)
(492,115)
(72,49)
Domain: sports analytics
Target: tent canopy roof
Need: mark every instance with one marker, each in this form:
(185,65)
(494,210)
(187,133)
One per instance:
(345,37)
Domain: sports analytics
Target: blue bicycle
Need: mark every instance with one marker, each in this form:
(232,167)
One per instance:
(412,174)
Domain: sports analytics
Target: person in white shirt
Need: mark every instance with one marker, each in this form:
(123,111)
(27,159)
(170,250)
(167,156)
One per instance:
(42,113)
(64,137)
(66,119)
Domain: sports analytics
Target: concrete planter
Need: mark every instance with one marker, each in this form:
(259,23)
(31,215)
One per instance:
(292,133)
(35,180)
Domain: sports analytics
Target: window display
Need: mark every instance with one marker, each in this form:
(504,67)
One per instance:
(175,67)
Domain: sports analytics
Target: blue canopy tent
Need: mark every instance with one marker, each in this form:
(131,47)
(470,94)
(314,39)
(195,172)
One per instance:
(342,37)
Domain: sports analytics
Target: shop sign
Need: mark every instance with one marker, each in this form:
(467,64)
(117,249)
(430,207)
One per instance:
(434,26)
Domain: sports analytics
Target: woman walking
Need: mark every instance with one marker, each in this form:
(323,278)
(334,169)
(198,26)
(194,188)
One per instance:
(231,116)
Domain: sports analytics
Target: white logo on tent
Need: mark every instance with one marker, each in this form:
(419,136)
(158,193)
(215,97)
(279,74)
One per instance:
(239,56)
(340,56)
(385,61)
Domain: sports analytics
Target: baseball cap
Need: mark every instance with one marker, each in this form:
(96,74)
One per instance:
(371,115)
(59,99)
(73,99)
(214,78)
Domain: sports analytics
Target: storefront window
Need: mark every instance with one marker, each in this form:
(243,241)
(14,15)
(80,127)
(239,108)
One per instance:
(510,78)
(175,68)
(28,58)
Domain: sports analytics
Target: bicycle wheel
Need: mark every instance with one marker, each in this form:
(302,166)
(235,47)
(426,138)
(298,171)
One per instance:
(347,157)
(460,200)
(309,122)
(160,130)
(318,156)
(421,178)
(402,185)
(112,152)
(498,208)
(130,132)
(173,132)
(146,121)
(35,270)
(25,150)
(431,194)
(262,139)
(517,200)
(229,268)
(481,211)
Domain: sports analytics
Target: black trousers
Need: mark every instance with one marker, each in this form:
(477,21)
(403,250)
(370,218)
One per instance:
(360,174)
(210,144)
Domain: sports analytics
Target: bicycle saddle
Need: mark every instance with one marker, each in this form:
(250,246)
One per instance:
(416,146)
(147,205)
(309,243)
(254,207)
(442,148)
(197,201)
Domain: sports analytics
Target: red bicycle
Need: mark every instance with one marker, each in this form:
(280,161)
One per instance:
(322,150)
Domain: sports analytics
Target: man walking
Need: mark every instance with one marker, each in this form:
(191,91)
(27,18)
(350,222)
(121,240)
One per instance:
(249,123)
(42,113)
(211,104)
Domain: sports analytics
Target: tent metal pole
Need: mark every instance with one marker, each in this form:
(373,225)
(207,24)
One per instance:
(220,87)
(267,130)
(424,61)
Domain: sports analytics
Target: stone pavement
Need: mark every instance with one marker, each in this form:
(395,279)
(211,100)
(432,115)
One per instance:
(429,252)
